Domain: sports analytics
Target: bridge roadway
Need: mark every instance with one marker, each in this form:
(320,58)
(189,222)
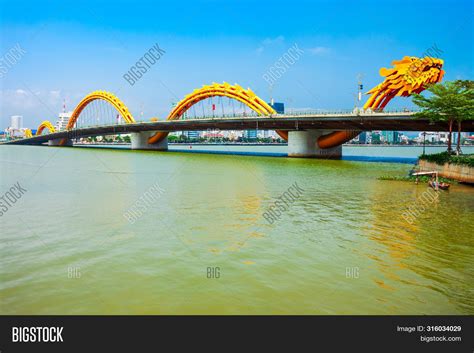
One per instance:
(363,122)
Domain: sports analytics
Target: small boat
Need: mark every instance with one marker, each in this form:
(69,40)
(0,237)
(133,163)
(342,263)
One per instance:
(434,182)
(442,186)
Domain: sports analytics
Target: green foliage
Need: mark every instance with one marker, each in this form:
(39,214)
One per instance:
(452,100)
(465,159)
(446,157)
(421,178)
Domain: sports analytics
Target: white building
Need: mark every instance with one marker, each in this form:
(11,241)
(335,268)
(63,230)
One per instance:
(16,122)
(432,137)
(443,137)
(16,126)
(62,121)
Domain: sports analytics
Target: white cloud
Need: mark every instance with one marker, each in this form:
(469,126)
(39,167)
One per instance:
(35,104)
(55,94)
(319,51)
(276,40)
(269,42)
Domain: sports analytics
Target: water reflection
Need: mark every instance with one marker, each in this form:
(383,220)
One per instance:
(426,253)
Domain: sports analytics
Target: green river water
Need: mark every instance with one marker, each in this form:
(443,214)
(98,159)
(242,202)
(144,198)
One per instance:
(342,247)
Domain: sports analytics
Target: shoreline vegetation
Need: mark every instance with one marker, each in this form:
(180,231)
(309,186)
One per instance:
(411,178)
(440,159)
(446,157)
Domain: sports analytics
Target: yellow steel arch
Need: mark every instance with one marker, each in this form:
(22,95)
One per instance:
(105,96)
(27,133)
(246,96)
(45,125)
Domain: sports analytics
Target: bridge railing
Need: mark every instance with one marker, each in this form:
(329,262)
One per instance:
(299,112)
(288,112)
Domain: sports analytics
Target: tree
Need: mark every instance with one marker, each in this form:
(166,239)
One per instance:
(467,111)
(451,102)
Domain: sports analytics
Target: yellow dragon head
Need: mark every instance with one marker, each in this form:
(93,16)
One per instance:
(409,75)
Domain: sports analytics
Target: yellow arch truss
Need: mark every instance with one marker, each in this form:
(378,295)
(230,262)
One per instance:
(45,125)
(27,133)
(102,95)
(245,96)
(105,96)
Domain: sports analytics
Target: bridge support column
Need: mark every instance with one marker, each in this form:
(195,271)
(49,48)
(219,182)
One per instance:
(57,141)
(140,141)
(303,143)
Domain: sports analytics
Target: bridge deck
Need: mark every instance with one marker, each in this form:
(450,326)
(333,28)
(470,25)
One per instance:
(366,122)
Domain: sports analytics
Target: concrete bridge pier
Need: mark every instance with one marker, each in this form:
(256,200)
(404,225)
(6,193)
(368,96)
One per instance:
(140,141)
(303,143)
(56,142)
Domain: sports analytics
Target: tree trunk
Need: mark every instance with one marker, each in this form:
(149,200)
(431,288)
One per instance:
(458,146)
(450,134)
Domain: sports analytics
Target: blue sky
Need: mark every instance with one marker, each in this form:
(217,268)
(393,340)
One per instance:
(73,48)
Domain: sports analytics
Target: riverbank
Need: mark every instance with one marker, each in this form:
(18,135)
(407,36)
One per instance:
(460,168)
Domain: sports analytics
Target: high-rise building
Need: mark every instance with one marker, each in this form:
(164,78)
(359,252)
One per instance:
(464,136)
(279,107)
(16,122)
(396,137)
(251,134)
(363,137)
(368,137)
(375,137)
(391,137)
(192,134)
(62,121)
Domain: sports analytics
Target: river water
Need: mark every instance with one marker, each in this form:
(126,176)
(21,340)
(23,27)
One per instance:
(203,245)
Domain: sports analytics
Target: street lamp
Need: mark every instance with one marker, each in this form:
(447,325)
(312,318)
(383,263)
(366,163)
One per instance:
(424,139)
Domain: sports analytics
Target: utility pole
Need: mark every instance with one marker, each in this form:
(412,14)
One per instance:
(360,87)
(271,94)
(424,139)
